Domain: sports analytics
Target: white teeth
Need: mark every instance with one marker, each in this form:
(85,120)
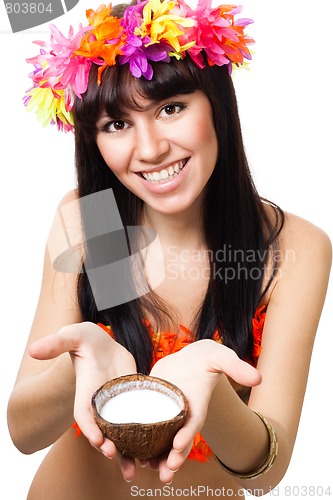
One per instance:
(165,173)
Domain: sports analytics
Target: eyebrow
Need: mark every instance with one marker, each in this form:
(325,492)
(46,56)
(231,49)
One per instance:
(124,113)
(153,103)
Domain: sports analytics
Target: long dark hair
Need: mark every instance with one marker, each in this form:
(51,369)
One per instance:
(236,223)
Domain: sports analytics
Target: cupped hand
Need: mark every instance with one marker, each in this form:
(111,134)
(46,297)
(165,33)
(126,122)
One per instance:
(196,370)
(96,358)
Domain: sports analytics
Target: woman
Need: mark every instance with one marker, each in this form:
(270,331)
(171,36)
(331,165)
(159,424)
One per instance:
(158,124)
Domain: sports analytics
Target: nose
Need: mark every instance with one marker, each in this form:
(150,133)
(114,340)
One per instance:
(151,144)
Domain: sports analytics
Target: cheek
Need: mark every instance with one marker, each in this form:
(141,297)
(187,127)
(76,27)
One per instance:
(204,124)
(204,136)
(113,154)
(202,131)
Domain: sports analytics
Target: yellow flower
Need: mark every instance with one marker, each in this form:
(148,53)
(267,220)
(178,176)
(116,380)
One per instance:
(100,16)
(159,25)
(48,108)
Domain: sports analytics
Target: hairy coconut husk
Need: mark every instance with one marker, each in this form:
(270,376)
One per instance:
(136,440)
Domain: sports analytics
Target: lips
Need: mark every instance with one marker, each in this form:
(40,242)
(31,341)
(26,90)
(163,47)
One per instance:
(165,173)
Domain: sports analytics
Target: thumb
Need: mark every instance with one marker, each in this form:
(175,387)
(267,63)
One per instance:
(67,339)
(227,361)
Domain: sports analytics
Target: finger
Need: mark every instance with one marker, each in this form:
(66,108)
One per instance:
(182,445)
(65,340)
(227,361)
(85,418)
(184,437)
(177,458)
(127,466)
(90,429)
(108,448)
(143,463)
(165,474)
(154,463)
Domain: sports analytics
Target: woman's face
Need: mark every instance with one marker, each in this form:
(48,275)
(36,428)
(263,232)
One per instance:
(165,152)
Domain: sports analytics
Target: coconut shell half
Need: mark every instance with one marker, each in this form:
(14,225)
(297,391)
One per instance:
(137,440)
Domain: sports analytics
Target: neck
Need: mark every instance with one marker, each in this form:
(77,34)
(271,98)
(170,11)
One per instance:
(184,229)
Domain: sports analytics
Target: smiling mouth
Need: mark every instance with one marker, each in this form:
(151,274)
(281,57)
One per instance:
(166,173)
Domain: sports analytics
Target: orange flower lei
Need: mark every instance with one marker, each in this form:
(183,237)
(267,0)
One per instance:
(257,327)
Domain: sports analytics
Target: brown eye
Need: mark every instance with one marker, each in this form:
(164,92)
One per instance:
(115,126)
(171,110)
(118,125)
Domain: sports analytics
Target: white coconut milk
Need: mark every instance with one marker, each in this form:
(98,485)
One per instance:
(142,406)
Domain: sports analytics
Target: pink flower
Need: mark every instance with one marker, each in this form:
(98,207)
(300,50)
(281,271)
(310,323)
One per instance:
(217,33)
(59,67)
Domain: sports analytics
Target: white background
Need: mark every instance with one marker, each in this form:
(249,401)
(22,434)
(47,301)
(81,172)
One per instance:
(286,110)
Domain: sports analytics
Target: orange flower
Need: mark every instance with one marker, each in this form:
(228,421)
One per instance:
(78,431)
(107,329)
(96,44)
(257,326)
(200,450)
(99,16)
(163,343)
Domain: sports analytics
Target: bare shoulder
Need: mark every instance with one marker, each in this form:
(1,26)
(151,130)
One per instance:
(68,197)
(302,259)
(301,237)
(307,240)
(65,240)
(63,261)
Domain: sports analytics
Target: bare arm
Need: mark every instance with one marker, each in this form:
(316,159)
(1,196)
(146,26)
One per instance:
(65,361)
(234,432)
(44,390)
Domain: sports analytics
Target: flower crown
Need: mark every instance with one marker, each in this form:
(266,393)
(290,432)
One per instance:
(151,30)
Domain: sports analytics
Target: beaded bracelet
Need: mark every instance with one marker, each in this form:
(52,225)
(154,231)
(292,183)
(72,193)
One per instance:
(269,460)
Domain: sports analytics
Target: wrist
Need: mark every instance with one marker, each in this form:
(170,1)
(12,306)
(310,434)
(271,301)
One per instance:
(266,465)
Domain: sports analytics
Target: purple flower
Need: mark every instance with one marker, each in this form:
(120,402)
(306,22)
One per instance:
(136,53)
